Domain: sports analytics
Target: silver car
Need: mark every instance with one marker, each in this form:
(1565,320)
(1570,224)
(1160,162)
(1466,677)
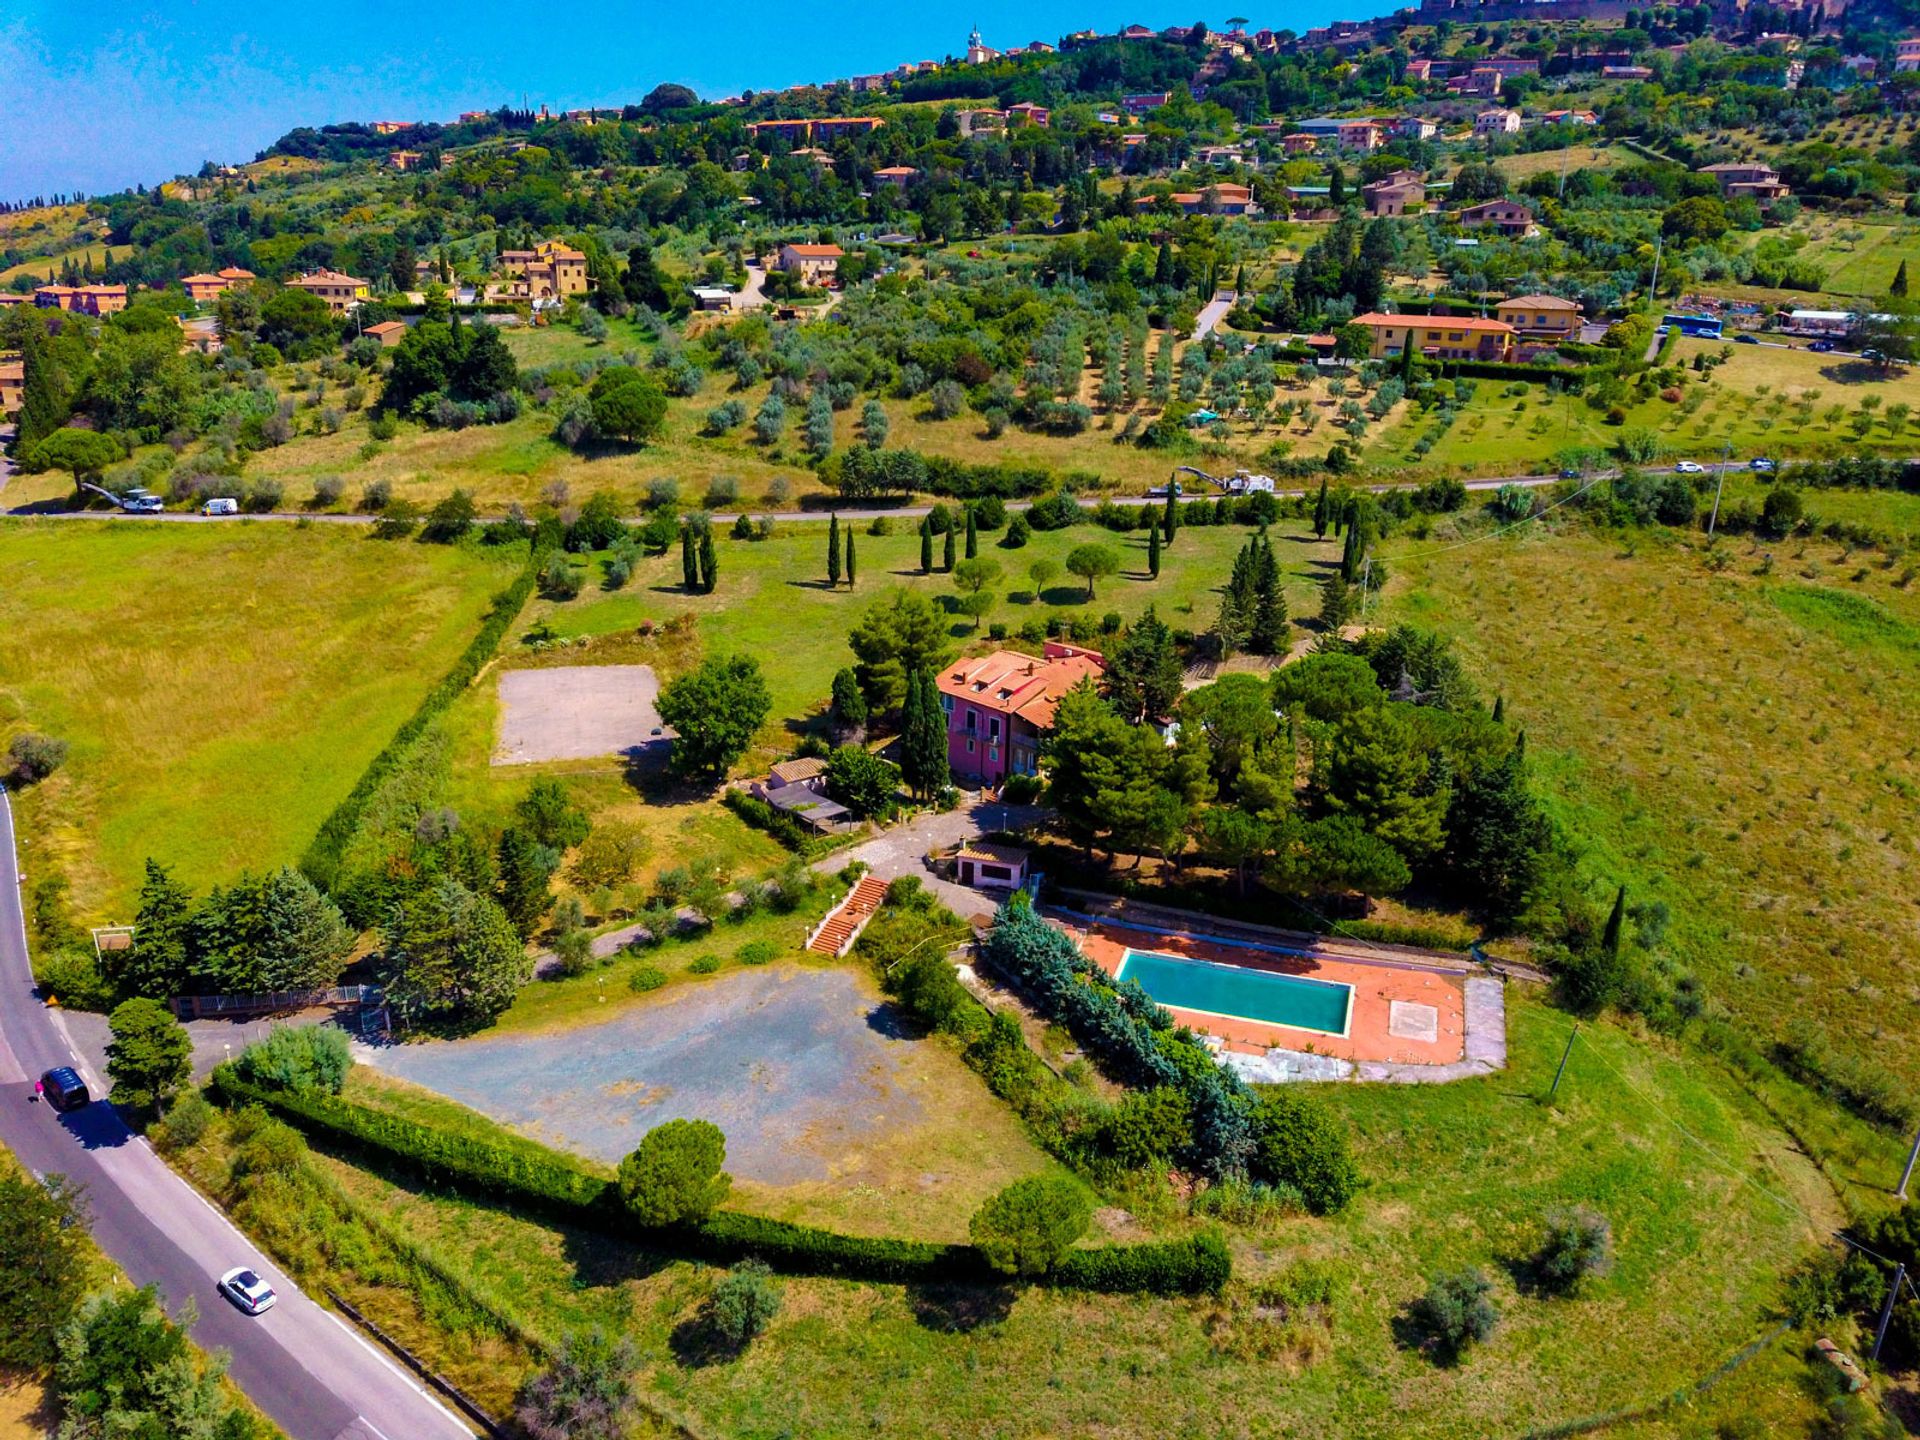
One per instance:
(247,1290)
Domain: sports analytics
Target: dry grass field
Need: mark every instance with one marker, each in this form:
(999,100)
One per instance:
(1734,743)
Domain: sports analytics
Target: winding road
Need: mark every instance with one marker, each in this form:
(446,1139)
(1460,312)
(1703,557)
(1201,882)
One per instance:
(301,1364)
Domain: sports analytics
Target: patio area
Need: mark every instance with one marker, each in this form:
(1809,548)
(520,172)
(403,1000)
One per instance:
(1405,1020)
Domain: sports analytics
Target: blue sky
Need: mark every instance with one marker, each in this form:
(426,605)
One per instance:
(99,94)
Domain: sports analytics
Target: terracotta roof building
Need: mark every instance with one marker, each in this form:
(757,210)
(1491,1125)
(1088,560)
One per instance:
(1000,707)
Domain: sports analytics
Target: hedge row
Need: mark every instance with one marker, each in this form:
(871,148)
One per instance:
(549,1183)
(1571,378)
(321,863)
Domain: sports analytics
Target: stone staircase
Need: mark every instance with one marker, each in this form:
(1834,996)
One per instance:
(835,934)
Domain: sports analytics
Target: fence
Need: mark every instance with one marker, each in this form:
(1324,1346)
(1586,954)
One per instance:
(200,1007)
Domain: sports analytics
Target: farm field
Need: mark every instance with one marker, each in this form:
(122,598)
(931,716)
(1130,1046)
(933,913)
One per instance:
(1712,1218)
(221,686)
(1573,157)
(519,460)
(1860,258)
(1719,742)
(1765,400)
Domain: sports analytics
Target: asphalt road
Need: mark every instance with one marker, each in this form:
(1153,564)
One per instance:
(300,1363)
(189,517)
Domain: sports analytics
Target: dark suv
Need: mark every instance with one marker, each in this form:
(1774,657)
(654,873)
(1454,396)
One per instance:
(64,1089)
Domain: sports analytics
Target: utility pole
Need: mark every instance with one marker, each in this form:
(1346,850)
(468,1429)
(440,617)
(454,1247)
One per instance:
(1907,1174)
(1653,290)
(1719,484)
(1564,1056)
(1886,1311)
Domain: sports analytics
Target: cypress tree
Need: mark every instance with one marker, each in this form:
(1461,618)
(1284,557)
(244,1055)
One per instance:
(850,571)
(1322,511)
(973,536)
(926,546)
(947,559)
(923,734)
(1153,551)
(43,398)
(709,564)
(1899,286)
(1170,521)
(1267,629)
(1610,937)
(1350,555)
(689,564)
(833,551)
(1499,708)
(1336,603)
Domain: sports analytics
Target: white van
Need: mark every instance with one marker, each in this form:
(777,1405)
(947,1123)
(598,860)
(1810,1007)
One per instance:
(220,507)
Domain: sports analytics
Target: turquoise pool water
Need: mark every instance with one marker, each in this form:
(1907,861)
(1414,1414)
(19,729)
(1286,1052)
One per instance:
(1239,994)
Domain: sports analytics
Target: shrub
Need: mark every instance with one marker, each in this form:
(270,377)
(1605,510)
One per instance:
(1018,533)
(34,757)
(1028,1227)
(675,1176)
(704,965)
(1579,1243)
(559,578)
(308,1057)
(646,977)
(183,1125)
(758,952)
(1457,1311)
(743,1304)
(586,1393)
(1299,1143)
(1021,789)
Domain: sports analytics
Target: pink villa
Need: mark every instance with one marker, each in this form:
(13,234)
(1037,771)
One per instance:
(1000,706)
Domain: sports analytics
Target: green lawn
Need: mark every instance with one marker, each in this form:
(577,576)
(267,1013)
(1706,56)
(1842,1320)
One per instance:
(1708,1203)
(772,601)
(221,686)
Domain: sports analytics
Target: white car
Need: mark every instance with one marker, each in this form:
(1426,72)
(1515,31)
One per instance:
(1760,465)
(1689,467)
(247,1290)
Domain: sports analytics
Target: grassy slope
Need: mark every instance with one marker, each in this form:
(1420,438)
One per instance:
(1498,433)
(1460,1175)
(1734,744)
(221,686)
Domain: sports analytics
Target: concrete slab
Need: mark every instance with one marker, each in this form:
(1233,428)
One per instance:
(800,1067)
(1408,1020)
(578,712)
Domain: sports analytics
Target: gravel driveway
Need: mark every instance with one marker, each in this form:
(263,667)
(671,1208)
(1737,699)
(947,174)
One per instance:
(797,1066)
(577,712)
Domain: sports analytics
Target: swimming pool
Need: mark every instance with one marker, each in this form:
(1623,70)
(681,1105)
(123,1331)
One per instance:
(1234,993)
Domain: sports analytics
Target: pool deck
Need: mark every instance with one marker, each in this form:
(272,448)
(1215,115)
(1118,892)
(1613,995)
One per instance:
(1403,1015)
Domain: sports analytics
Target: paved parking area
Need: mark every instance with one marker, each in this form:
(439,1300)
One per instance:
(801,1068)
(577,712)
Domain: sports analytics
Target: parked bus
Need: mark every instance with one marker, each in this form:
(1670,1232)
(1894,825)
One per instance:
(1699,327)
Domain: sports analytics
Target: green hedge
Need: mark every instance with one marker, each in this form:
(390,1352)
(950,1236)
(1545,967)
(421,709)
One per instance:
(549,1183)
(321,863)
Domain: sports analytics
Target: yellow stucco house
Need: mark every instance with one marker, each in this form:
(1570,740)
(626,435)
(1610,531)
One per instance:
(1540,317)
(341,292)
(1445,337)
